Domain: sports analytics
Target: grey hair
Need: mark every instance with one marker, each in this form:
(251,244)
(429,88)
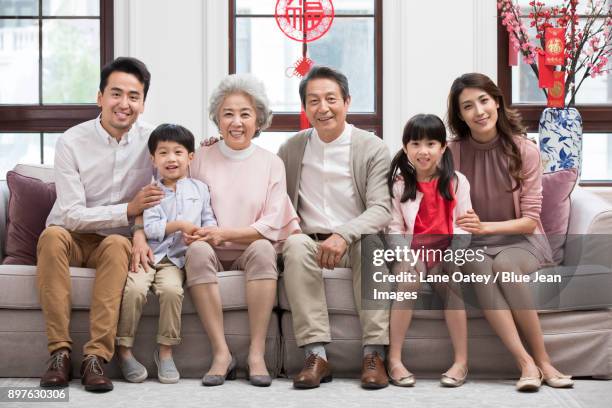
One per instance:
(246,84)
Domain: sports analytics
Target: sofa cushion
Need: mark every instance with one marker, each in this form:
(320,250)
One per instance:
(587,286)
(18,290)
(30,202)
(556,190)
(42,172)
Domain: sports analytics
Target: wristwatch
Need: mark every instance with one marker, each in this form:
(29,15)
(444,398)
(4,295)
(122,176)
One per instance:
(136,227)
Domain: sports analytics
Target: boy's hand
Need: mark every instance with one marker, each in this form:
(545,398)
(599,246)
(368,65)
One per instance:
(189,228)
(141,253)
(193,236)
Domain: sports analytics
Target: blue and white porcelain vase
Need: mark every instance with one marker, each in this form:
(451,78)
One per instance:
(560,139)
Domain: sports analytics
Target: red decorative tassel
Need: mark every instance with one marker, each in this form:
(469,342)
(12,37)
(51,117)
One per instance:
(304,123)
(512,54)
(556,95)
(554,44)
(545,79)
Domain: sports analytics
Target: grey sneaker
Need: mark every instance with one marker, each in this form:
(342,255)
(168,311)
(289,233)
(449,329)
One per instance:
(166,370)
(132,370)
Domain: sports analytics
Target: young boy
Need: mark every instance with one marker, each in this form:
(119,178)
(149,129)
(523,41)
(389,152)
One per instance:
(185,208)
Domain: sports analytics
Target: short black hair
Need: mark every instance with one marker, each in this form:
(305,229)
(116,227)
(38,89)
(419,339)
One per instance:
(128,65)
(319,71)
(168,132)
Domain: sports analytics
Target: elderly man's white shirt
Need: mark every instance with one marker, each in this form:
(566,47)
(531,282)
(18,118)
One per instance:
(327,195)
(95,177)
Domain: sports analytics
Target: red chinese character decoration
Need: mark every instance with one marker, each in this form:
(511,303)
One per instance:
(304,20)
(554,46)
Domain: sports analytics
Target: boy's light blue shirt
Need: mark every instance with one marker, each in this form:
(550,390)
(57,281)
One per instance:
(190,202)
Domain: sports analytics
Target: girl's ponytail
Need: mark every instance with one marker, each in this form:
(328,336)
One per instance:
(401,165)
(446,174)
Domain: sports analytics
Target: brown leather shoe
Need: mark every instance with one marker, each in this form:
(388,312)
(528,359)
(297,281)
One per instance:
(59,370)
(373,373)
(316,370)
(92,376)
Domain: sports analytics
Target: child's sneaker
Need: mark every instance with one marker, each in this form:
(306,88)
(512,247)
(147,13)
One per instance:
(166,370)
(132,370)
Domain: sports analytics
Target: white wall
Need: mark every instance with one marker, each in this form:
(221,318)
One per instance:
(426,45)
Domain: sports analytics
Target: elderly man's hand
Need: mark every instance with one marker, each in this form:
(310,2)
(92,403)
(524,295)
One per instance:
(331,251)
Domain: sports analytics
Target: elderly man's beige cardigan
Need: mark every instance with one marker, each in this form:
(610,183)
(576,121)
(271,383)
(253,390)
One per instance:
(370,163)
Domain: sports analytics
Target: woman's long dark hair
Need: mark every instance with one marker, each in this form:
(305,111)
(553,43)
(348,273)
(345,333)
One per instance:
(419,127)
(509,121)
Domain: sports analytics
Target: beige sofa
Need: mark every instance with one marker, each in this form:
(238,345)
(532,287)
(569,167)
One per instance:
(23,341)
(578,335)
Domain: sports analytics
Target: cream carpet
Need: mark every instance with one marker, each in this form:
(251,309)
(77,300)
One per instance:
(341,393)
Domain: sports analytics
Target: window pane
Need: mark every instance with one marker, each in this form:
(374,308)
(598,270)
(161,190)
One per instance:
(70,74)
(18,148)
(349,47)
(272,141)
(71,7)
(354,7)
(597,157)
(581,8)
(49,140)
(18,61)
(18,7)
(525,85)
(255,37)
(266,7)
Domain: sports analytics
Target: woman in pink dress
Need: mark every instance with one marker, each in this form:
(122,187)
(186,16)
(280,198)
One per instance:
(254,214)
(503,168)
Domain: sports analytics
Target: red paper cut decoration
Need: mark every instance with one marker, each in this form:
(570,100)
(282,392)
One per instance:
(556,94)
(554,45)
(304,20)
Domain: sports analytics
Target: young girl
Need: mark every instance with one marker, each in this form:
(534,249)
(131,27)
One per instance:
(491,149)
(427,197)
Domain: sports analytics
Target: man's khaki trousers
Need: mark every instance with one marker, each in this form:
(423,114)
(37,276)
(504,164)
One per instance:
(306,293)
(58,249)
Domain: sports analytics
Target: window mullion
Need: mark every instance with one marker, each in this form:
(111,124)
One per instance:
(40,53)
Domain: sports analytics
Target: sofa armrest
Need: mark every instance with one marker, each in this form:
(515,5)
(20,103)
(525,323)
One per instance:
(4,196)
(590,214)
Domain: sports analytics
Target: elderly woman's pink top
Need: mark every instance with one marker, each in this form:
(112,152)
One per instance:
(246,190)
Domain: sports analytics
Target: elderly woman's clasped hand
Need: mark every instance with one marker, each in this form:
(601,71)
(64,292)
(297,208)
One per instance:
(213,235)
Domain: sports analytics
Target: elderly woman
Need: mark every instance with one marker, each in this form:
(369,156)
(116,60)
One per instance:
(249,198)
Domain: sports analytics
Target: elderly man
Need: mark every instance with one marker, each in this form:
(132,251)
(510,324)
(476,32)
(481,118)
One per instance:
(102,169)
(336,179)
